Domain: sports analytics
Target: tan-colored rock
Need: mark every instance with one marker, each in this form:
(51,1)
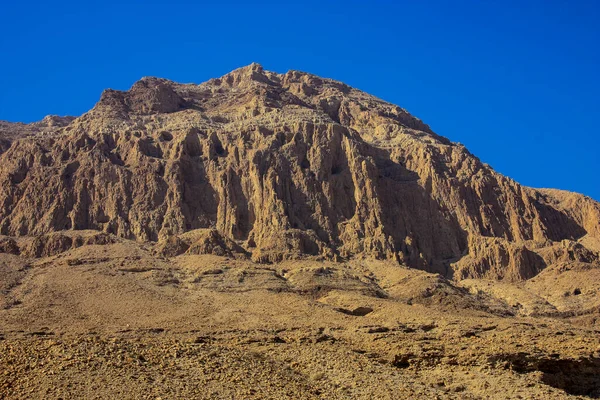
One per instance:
(285,166)
(58,242)
(9,246)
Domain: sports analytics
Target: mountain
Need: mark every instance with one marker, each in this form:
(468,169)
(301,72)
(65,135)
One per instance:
(266,235)
(286,166)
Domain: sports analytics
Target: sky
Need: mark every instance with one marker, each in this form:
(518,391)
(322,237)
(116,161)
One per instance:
(517,82)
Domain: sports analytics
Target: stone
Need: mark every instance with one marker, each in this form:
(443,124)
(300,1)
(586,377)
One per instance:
(279,167)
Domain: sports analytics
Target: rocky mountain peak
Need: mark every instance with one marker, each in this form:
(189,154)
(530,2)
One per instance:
(149,95)
(55,121)
(284,166)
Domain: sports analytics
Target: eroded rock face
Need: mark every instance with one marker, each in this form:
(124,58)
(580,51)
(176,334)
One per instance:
(55,243)
(285,166)
(201,241)
(9,246)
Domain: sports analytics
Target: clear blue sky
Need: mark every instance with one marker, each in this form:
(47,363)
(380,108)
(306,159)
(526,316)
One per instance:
(517,82)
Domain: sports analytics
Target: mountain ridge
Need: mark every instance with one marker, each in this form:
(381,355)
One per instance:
(288,166)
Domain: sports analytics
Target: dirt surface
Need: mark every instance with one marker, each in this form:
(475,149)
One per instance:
(119,321)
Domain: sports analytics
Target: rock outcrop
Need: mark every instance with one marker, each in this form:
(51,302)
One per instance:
(201,241)
(282,166)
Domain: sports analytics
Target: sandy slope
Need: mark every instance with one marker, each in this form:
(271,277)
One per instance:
(118,321)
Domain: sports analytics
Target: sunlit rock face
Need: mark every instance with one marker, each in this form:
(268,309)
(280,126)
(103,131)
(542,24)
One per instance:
(284,166)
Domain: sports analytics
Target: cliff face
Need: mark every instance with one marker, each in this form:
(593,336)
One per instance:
(284,166)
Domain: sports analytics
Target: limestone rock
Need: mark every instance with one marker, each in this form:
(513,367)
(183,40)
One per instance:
(9,246)
(200,241)
(58,242)
(211,242)
(283,166)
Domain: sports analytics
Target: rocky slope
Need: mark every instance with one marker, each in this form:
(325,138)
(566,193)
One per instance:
(269,236)
(107,318)
(283,166)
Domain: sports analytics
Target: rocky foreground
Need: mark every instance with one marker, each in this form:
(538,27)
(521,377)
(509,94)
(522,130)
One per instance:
(268,235)
(117,320)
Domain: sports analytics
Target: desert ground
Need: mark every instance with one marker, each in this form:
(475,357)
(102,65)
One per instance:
(120,320)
